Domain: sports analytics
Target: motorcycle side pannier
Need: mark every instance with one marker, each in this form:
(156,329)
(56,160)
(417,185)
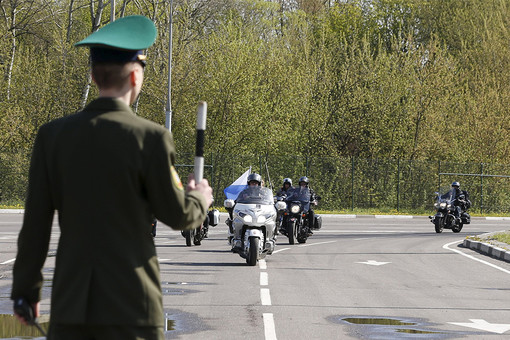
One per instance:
(466,218)
(318,222)
(214,217)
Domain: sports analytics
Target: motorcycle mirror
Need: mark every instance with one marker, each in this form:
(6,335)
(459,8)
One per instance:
(229,203)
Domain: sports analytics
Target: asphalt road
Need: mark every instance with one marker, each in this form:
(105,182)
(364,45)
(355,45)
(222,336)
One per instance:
(356,278)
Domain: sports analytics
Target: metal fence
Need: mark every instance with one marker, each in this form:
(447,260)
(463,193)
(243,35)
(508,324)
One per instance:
(343,183)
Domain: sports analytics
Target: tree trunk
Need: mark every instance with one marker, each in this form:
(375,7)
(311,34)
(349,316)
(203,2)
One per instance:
(13,54)
(96,21)
(69,21)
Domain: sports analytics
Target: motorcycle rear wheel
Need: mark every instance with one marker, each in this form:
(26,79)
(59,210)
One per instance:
(458,228)
(302,235)
(188,235)
(253,251)
(438,224)
(197,239)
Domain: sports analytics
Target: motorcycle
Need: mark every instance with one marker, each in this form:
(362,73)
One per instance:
(153,227)
(280,206)
(294,223)
(444,218)
(251,224)
(196,235)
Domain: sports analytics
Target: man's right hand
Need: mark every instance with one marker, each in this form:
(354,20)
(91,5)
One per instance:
(23,317)
(203,187)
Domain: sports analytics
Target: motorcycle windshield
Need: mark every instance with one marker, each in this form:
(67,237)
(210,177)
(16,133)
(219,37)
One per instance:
(300,194)
(448,196)
(256,195)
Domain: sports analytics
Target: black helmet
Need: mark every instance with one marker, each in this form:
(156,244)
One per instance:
(254,177)
(287,180)
(304,179)
(456,184)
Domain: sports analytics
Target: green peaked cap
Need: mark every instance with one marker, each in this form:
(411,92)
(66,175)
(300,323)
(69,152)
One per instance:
(134,32)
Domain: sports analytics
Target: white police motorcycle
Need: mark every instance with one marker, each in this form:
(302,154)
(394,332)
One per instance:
(252,223)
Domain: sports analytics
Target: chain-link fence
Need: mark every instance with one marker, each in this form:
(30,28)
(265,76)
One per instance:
(343,183)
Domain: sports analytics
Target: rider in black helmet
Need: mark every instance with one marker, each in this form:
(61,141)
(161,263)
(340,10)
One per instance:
(286,186)
(253,180)
(281,194)
(303,183)
(460,199)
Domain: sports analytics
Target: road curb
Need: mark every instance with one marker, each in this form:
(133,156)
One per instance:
(12,211)
(487,248)
(21,211)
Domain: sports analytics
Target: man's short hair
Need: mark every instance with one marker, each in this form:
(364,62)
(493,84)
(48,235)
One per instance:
(111,75)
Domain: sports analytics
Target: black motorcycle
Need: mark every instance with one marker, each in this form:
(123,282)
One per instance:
(196,235)
(445,206)
(294,222)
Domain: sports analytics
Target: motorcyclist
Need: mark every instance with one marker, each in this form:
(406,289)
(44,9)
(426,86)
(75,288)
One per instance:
(460,199)
(462,202)
(286,187)
(253,180)
(153,225)
(304,183)
(287,184)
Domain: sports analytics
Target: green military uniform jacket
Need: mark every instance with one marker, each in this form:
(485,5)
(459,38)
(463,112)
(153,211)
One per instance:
(107,172)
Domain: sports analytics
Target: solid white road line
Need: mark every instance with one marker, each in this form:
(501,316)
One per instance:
(269,328)
(393,216)
(314,244)
(264,279)
(371,231)
(446,246)
(265,297)
(9,261)
(279,250)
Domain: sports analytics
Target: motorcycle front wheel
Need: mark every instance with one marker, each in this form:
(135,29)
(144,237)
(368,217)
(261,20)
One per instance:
(290,231)
(253,251)
(438,224)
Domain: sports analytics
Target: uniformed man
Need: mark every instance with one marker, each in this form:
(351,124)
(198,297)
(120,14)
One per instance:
(107,172)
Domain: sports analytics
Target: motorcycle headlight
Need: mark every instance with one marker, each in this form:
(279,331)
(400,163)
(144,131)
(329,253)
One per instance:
(443,205)
(261,219)
(294,209)
(247,219)
(436,205)
(448,206)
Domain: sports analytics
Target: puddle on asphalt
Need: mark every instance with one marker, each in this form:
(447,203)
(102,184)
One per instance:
(384,327)
(378,321)
(10,327)
(415,331)
(169,325)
